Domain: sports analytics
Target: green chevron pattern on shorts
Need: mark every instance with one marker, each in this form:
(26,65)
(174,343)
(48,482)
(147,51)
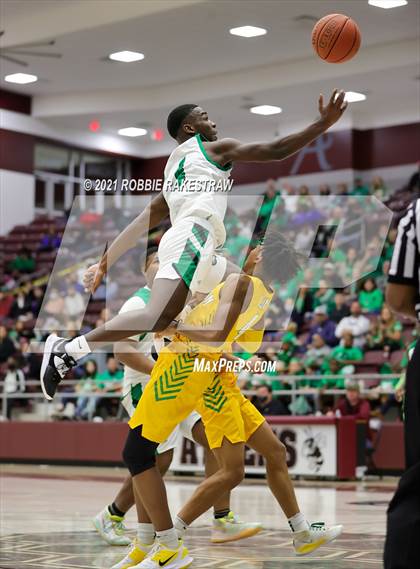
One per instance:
(214,397)
(170,383)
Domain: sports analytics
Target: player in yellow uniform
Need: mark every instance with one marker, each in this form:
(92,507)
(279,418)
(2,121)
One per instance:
(227,315)
(229,418)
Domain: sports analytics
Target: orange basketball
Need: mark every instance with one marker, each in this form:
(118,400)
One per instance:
(336,38)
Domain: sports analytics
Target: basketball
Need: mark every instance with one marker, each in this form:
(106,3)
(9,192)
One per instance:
(336,38)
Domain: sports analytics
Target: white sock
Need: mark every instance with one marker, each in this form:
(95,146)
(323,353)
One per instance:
(298,522)
(78,348)
(146,533)
(181,527)
(168,538)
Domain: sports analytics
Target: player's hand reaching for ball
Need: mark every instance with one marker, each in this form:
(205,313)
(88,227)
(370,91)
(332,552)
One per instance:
(333,111)
(93,277)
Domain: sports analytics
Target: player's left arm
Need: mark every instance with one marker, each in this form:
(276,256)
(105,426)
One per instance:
(232,297)
(230,150)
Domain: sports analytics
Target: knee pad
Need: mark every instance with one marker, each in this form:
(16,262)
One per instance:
(139,454)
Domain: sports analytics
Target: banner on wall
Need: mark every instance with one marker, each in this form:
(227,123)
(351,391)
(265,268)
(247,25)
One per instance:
(311,451)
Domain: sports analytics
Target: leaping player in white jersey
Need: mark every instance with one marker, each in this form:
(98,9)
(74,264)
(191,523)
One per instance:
(136,354)
(187,250)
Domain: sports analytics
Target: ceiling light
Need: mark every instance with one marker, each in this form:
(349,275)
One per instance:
(132,131)
(248,31)
(353,97)
(126,56)
(387,4)
(21,78)
(265,110)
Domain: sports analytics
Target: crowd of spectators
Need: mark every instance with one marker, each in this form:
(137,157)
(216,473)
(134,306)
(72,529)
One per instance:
(330,329)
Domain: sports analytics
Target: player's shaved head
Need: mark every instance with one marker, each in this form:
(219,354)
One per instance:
(177,116)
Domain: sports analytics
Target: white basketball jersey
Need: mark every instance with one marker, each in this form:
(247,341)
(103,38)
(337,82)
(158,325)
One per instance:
(196,186)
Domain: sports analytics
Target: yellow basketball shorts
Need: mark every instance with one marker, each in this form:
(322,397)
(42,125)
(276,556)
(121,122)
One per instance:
(173,392)
(227,413)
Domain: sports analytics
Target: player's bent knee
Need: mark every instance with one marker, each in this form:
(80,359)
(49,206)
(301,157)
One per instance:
(277,456)
(139,454)
(234,476)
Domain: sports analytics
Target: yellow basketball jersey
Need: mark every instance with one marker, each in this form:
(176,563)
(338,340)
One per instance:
(243,331)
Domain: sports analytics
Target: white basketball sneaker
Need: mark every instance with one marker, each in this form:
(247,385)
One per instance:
(231,528)
(137,553)
(160,557)
(318,534)
(111,528)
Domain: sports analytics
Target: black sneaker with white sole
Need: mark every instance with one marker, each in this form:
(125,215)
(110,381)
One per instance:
(55,364)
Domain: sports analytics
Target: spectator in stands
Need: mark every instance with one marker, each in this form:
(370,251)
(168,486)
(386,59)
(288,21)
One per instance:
(385,333)
(305,237)
(269,201)
(371,298)
(335,368)
(74,304)
(36,301)
(291,199)
(110,381)
(360,189)
(323,295)
(346,353)
(357,324)
(353,404)
(266,404)
(14,383)
(337,308)
(342,189)
(324,190)
(31,362)
(86,405)
(332,277)
(317,352)
(50,241)
(379,189)
(21,306)
(20,331)
(288,348)
(323,326)
(7,347)
(53,311)
(348,268)
(236,242)
(6,301)
(23,262)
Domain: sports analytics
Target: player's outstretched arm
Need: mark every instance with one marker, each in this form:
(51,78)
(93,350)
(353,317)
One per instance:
(153,214)
(231,304)
(230,150)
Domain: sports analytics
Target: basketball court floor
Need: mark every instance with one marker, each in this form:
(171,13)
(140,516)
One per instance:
(46,521)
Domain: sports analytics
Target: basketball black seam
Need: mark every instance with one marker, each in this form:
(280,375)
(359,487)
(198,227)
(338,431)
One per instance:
(354,42)
(319,33)
(332,47)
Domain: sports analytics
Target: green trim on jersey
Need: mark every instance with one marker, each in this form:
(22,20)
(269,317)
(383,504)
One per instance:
(190,257)
(143,293)
(180,173)
(207,157)
(136,393)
